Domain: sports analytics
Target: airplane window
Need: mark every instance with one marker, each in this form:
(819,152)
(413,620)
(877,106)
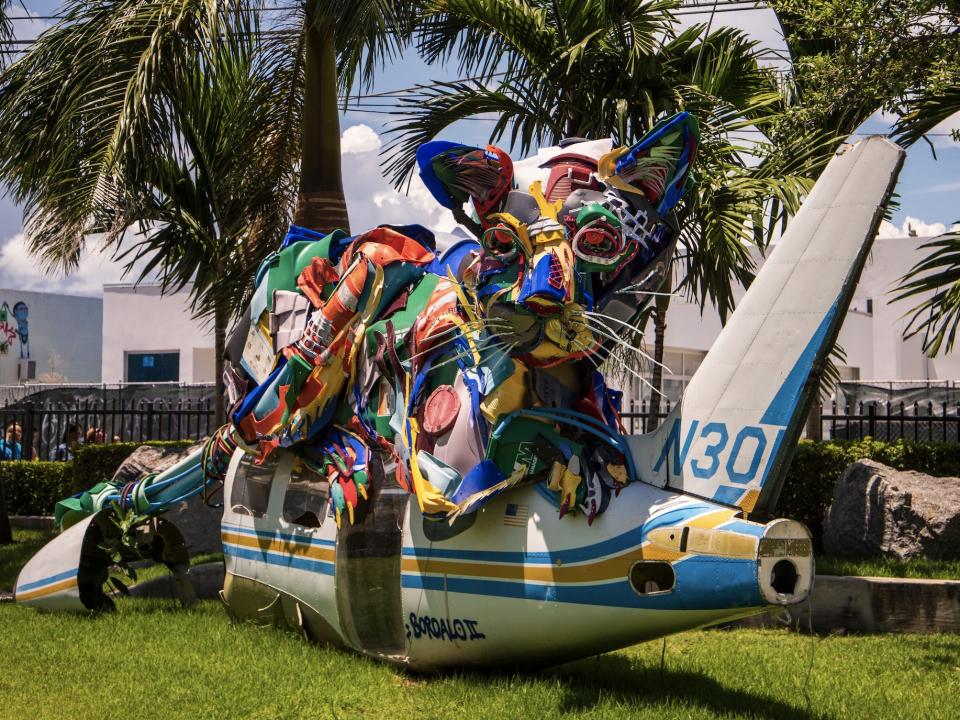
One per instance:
(305,503)
(251,487)
(652,576)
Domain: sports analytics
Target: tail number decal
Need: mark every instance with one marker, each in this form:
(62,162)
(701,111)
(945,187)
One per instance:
(707,449)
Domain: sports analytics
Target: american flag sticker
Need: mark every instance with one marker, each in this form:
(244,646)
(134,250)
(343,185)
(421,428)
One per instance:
(516,515)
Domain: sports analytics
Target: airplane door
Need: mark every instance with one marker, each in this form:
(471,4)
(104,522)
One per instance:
(368,567)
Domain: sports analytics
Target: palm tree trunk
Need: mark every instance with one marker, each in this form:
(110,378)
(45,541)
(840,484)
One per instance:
(220,316)
(659,333)
(320,202)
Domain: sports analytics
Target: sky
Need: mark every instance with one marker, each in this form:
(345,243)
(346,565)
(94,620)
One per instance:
(928,189)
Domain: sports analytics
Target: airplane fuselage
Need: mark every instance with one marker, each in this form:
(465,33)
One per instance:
(514,584)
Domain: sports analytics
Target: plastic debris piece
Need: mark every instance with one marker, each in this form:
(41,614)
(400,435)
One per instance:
(288,319)
(440,410)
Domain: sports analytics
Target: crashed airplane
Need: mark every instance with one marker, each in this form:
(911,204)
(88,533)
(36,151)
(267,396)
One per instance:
(424,462)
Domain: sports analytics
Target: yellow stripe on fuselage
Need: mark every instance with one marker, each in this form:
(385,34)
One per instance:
(48,590)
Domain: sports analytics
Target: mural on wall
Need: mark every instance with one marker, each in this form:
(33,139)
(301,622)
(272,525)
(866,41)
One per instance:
(20,314)
(9,332)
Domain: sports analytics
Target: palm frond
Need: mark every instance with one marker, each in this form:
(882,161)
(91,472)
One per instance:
(925,112)
(526,114)
(934,285)
(483,34)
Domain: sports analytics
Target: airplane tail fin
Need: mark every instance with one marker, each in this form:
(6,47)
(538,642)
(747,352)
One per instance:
(732,436)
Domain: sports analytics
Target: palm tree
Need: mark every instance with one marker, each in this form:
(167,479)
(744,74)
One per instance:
(103,132)
(597,68)
(851,58)
(343,43)
(220,171)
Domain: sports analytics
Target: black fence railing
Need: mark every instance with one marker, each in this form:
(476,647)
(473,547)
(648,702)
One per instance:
(918,422)
(637,418)
(46,431)
(42,430)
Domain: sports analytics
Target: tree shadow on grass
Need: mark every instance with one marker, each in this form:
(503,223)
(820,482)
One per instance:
(587,683)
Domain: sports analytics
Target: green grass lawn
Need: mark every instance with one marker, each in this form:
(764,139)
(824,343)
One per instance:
(153,660)
(15,556)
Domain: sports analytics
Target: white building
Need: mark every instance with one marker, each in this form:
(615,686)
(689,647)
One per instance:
(872,334)
(149,337)
(49,337)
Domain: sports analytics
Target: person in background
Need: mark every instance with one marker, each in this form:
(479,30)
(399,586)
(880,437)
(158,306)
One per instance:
(10,448)
(72,438)
(94,436)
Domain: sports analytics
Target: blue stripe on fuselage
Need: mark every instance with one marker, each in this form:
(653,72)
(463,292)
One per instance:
(702,584)
(65,575)
(290,561)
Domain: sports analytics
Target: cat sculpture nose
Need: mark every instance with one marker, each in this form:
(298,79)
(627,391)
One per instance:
(544,288)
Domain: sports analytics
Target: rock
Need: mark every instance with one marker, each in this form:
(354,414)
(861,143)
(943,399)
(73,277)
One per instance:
(149,459)
(877,511)
(199,524)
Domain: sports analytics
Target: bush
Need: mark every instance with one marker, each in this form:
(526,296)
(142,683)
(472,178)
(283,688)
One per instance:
(817,466)
(34,487)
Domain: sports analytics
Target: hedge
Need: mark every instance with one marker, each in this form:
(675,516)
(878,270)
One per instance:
(817,466)
(34,487)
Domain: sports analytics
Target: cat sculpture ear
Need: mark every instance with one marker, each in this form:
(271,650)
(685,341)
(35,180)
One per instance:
(658,166)
(455,173)
(644,184)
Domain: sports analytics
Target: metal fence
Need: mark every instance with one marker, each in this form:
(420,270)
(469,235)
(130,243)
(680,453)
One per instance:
(918,422)
(47,429)
(44,426)
(636,417)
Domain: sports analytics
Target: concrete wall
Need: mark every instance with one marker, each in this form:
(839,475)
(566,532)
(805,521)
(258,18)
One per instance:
(61,333)
(140,319)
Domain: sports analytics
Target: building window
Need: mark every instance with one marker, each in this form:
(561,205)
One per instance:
(848,374)
(680,368)
(153,366)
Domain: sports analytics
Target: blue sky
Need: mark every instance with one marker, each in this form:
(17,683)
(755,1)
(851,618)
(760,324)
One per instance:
(929,187)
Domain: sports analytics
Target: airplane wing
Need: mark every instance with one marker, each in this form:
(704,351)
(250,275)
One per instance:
(733,434)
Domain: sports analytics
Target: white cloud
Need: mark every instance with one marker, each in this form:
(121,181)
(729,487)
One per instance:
(20,270)
(758,24)
(371,199)
(912,227)
(359,139)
